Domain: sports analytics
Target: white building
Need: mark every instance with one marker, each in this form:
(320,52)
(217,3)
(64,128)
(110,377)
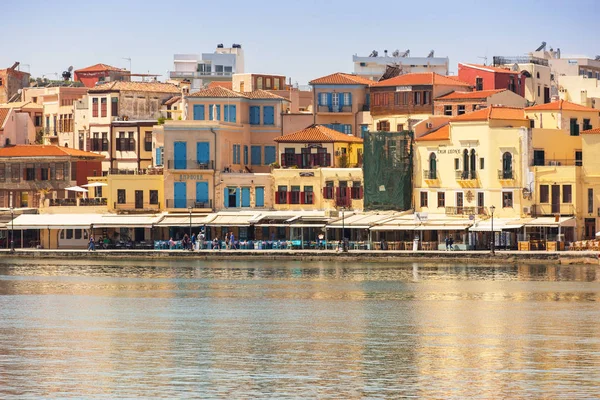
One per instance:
(373,66)
(201,69)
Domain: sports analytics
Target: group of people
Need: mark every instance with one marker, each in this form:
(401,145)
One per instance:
(449,243)
(189,243)
(103,242)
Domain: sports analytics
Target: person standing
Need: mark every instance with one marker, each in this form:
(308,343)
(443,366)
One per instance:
(232,240)
(92,244)
(193,246)
(201,240)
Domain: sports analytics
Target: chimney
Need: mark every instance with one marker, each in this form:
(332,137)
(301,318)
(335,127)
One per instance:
(15,65)
(385,52)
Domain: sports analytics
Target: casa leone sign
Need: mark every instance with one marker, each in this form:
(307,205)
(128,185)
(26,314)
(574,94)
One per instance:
(189,177)
(449,151)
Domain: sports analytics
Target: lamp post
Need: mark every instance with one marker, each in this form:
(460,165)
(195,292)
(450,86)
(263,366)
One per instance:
(344,247)
(12,229)
(190,210)
(492,209)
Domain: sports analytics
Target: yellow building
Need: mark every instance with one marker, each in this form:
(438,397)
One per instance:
(590,190)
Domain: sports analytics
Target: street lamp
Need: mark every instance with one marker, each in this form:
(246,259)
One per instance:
(190,210)
(12,229)
(492,209)
(344,247)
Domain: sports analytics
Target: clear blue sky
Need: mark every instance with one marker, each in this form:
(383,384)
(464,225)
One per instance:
(302,40)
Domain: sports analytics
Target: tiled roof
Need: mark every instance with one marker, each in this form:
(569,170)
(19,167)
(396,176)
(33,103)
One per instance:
(493,112)
(489,68)
(3,113)
(172,100)
(22,104)
(39,150)
(226,85)
(263,94)
(154,87)
(561,105)
(421,78)
(441,133)
(216,91)
(594,131)
(340,78)
(478,95)
(99,67)
(317,134)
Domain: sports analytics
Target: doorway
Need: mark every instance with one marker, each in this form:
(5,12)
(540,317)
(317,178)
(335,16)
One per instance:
(555,199)
(590,228)
(139,199)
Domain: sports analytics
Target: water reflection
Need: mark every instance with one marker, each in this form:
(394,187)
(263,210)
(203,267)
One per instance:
(290,329)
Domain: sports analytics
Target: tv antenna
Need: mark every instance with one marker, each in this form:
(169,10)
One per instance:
(484,58)
(128,59)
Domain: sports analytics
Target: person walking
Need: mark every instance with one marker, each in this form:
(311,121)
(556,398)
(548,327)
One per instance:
(232,241)
(201,240)
(193,246)
(92,244)
(226,241)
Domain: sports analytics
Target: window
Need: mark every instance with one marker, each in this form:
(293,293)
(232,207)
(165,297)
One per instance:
(460,110)
(29,172)
(441,199)
(399,127)
(45,172)
(121,141)
(478,83)
(507,166)
(590,200)
(423,199)
(255,155)
(254,115)
(268,115)
(480,199)
(539,90)
(586,124)
(448,110)
(578,158)
(154,197)
(456,164)
(236,154)
(103,107)
(307,195)
(229,111)
(259,82)
(356,191)
(347,99)
(121,196)
(270,155)
(268,83)
(426,97)
(432,173)
(98,191)
(383,126)
(131,142)
(276,84)
(574,127)
(59,172)
(459,200)
(544,193)
(259,197)
(539,157)
(567,194)
(15,171)
(507,199)
(74,171)
(417,98)
(481,163)
(322,99)
(281,195)
(199,113)
(328,190)
(114,106)
(94,109)
(148,141)
(2,172)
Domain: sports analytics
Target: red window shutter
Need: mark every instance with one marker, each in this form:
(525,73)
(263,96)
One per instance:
(276,197)
(289,197)
(360,192)
(302,197)
(283,160)
(325,193)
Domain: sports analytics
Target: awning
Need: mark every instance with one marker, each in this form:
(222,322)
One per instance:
(95,184)
(127,221)
(55,221)
(231,220)
(360,221)
(500,224)
(551,222)
(184,220)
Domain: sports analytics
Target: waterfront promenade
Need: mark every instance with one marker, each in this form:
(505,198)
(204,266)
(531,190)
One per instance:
(503,256)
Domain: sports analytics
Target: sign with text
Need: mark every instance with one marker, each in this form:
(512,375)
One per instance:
(190,177)
(403,88)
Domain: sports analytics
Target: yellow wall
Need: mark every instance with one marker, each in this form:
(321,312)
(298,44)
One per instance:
(131,184)
(561,119)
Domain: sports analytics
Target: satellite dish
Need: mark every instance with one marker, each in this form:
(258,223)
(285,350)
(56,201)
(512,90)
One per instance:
(396,53)
(515,67)
(70,68)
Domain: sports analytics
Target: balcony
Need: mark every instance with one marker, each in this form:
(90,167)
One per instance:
(540,210)
(557,163)
(430,175)
(466,211)
(294,197)
(511,60)
(466,175)
(190,164)
(199,74)
(73,202)
(187,203)
(136,206)
(147,171)
(335,109)
(306,161)
(506,175)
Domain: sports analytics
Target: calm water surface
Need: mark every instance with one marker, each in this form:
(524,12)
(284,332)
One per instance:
(241,330)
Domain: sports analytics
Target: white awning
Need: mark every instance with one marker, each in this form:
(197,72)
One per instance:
(360,221)
(184,220)
(500,224)
(55,221)
(231,220)
(128,221)
(551,222)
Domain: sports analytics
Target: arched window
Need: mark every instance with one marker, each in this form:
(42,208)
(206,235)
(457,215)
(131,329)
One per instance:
(432,166)
(473,163)
(507,166)
(465,173)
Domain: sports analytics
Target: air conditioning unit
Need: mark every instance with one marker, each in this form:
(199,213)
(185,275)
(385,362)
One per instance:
(526,210)
(554,163)
(333,214)
(429,125)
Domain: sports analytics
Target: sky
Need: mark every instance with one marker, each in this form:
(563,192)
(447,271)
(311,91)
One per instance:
(302,40)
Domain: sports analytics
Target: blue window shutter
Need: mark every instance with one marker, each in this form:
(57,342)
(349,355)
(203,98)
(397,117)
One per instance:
(255,155)
(226,197)
(226,113)
(329,101)
(210,112)
(252,115)
(269,115)
(218,112)
(260,196)
(203,152)
(349,99)
(199,112)
(245,155)
(319,102)
(237,197)
(180,153)
(269,155)
(158,160)
(179,194)
(202,192)
(232,117)
(341,100)
(246,197)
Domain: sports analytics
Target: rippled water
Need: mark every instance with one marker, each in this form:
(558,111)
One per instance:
(297,330)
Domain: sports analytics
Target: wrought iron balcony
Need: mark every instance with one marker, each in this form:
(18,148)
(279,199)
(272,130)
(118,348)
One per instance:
(190,164)
(540,210)
(466,211)
(430,174)
(187,203)
(466,175)
(506,174)
(335,108)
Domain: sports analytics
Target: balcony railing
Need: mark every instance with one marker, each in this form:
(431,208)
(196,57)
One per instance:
(539,210)
(466,211)
(294,197)
(336,108)
(511,60)
(306,161)
(199,74)
(146,171)
(190,164)
(73,202)
(94,201)
(466,175)
(430,174)
(145,206)
(557,163)
(506,174)
(187,203)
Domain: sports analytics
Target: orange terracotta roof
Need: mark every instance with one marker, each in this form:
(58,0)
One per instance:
(478,95)
(421,78)
(263,94)
(441,133)
(490,68)
(340,78)
(317,134)
(594,131)
(561,105)
(3,114)
(99,67)
(216,91)
(172,100)
(153,87)
(226,85)
(39,150)
(493,112)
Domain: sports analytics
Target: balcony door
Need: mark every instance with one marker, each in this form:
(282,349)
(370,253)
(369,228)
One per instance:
(139,199)
(555,199)
(459,202)
(180,154)
(180,194)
